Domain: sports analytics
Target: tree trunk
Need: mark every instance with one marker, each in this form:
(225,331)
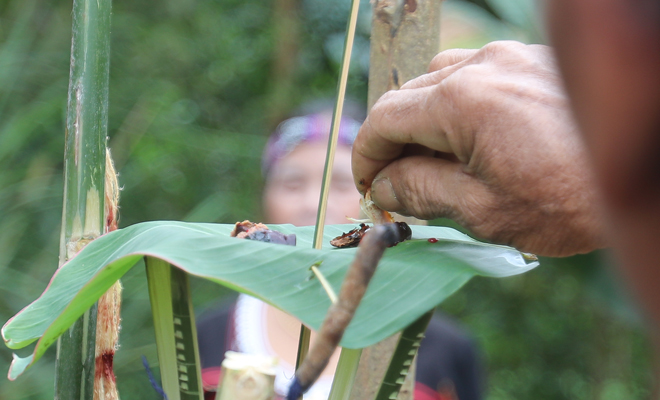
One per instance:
(286,28)
(405,36)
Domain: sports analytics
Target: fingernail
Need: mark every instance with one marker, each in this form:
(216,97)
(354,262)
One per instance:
(382,193)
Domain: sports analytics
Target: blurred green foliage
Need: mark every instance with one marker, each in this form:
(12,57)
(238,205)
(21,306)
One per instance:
(195,87)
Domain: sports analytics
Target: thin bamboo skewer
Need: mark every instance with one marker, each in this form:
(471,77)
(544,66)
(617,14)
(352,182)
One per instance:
(334,128)
(303,345)
(324,283)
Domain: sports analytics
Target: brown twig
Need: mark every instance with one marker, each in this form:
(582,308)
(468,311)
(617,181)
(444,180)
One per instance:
(339,315)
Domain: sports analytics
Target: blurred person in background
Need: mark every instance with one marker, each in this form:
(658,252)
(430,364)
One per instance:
(448,365)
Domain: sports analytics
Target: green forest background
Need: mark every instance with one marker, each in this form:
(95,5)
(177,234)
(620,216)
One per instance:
(195,87)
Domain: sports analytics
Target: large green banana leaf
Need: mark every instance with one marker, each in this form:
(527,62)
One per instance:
(412,278)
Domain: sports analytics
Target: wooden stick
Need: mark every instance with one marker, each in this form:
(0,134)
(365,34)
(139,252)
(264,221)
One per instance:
(341,313)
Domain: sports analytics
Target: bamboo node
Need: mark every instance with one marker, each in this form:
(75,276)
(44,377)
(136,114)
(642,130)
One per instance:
(76,244)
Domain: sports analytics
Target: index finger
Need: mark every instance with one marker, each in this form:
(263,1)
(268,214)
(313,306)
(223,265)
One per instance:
(442,65)
(399,118)
(451,57)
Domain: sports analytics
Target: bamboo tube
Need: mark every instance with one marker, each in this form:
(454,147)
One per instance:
(247,377)
(84,169)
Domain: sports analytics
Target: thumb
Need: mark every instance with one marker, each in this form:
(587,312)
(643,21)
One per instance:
(428,188)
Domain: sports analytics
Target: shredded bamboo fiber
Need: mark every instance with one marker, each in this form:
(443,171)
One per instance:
(109,305)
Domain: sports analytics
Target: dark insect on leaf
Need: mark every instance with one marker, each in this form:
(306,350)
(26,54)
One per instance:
(354,236)
(350,239)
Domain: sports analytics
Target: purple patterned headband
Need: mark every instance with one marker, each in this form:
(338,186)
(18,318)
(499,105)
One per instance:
(309,128)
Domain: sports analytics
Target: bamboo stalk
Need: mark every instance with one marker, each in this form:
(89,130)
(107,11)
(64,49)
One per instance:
(287,30)
(84,169)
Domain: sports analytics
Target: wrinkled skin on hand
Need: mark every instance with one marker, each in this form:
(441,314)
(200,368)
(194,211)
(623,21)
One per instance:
(485,138)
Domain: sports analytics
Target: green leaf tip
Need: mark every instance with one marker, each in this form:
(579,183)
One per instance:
(19,365)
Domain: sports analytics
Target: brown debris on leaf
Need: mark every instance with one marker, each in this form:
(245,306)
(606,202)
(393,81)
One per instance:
(260,232)
(354,236)
(350,239)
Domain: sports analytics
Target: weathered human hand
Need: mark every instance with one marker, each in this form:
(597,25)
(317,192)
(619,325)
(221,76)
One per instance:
(485,138)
